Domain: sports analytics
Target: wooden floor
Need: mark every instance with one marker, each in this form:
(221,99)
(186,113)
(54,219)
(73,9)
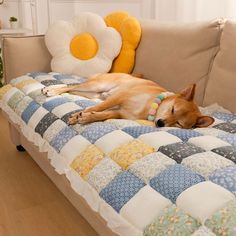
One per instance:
(30,204)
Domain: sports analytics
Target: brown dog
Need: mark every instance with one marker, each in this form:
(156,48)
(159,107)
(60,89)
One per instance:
(129,97)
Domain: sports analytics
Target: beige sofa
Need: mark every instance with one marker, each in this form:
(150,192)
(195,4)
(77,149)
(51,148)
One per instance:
(173,55)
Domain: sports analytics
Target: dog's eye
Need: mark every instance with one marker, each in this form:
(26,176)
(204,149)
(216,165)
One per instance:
(173,110)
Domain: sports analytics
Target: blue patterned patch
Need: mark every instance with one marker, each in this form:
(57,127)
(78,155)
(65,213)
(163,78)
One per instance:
(50,105)
(29,111)
(228,152)
(85,103)
(229,138)
(184,134)
(174,180)
(51,82)
(225,177)
(44,123)
(136,131)
(224,116)
(179,151)
(62,138)
(121,189)
(227,127)
(63,76)
(36,74)
(96,130)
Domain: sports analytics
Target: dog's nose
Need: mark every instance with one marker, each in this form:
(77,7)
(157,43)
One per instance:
(160,123)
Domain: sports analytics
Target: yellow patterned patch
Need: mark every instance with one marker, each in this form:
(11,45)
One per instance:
(130,31)
(4,89)
(87,160)
(130,152)
(146,123)
(23,83)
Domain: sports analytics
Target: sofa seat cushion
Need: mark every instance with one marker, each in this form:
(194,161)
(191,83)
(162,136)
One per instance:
(222,80)
(187,176)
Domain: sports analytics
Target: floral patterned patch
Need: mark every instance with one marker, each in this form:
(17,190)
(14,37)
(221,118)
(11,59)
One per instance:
(223,222)
(155,163)
(136,131)
(206,162)
(103,173)
(173,221)
(184,134)
(226,178)
(15,99)
(87,160)
(128,153)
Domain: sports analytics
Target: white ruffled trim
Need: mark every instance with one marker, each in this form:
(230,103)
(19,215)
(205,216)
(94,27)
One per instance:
(114,221)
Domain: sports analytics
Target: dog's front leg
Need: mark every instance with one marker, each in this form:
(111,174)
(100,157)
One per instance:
(88,117)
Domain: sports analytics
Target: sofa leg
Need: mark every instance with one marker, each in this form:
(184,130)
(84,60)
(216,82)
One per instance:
(20,148)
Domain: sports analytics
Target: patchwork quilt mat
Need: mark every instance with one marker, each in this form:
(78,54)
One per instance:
(142,180)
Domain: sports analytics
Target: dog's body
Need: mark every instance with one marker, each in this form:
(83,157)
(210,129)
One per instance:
(129,97)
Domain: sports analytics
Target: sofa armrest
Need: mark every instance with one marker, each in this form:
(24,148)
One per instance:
(24,54)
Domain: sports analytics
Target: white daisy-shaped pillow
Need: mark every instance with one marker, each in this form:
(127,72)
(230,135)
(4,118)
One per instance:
(84,46)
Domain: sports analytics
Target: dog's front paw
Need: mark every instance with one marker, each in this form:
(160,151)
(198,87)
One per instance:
(74,118)
(81,118)
(49,92)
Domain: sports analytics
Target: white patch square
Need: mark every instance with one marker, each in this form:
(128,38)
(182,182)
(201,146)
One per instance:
(207,142)
(204,199)
(74,147)
(158,139)
(144,207)
(110,141)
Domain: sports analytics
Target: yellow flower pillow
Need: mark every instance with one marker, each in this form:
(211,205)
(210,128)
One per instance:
(84,46)
(130,31)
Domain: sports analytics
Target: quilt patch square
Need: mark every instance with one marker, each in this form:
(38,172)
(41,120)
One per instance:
(227,126)
(184,134)
(50,82)
(65,108)
(21,106)
(173,221)
(203,199)
(228,117)
(121,189)
(226,178)
(44,123)
(29,111)
(87,160)
(207,142)
(51,104)
(84,103)
(228,152)
(158,139)
(62,138)
(144,207)
(52,131)
(174,180)
(223,222)
(128,153)
(15,99)
(179,151)
(36,74)
(122,123)
(229,138)
(136,131)
(150,166)
(206,163)
(103,173)
(96,130)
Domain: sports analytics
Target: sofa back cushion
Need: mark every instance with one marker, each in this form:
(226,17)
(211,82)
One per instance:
(221,87)
(178,54)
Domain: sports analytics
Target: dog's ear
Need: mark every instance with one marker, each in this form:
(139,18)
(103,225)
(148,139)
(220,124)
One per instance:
(189,92)
(204,121)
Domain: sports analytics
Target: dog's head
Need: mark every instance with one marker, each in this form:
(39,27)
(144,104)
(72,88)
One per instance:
(181,111)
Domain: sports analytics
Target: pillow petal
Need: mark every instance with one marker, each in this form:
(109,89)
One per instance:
(130,31)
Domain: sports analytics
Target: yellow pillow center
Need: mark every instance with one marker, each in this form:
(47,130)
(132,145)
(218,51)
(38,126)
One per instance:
(83,46)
